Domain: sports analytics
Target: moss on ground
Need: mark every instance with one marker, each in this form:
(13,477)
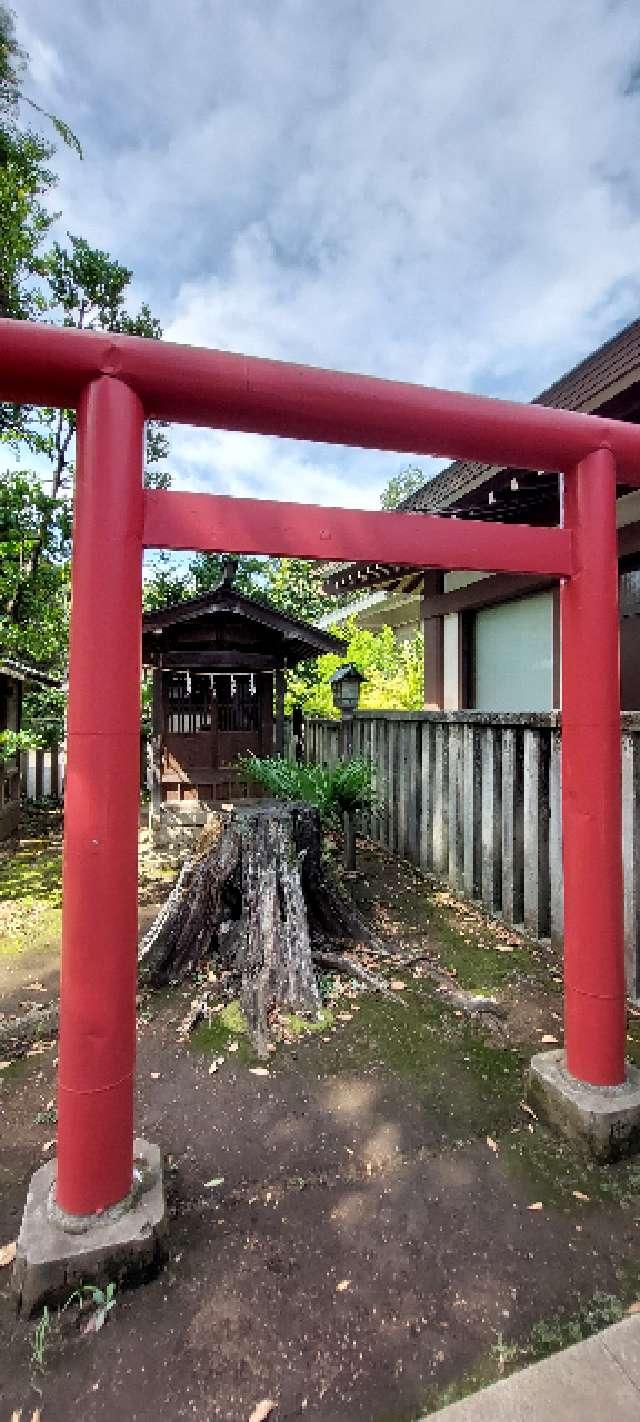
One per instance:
(476,950)
(228,1029)
(33,874)
(554,1170)
(549,1335)
(30,899)
(31,893)
(224,1028)
(301,1026)
(483,953)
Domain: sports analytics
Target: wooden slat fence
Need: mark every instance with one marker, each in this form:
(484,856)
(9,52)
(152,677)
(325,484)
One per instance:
(475,799)
(41,773)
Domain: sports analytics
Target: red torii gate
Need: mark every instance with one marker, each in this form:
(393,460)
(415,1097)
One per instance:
(116,383)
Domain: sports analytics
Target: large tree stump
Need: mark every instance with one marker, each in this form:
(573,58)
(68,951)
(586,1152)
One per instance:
(257,896)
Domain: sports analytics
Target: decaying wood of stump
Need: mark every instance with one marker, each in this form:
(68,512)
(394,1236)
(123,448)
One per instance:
(17,1034)
(257,896)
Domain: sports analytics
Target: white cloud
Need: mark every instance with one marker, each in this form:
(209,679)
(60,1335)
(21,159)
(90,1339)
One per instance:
(224,462)
(447,193)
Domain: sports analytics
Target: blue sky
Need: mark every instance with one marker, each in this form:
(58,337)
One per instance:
(446,192)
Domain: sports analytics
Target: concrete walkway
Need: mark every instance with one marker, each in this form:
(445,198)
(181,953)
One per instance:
(595,1381)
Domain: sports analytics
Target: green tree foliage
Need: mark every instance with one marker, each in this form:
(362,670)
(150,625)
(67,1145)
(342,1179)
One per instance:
(170,579)
(71,284)
(13,70)
(85,288)
(36,629)
(251,577)
(401,486)
(293,585)
(394,673)
(25,179)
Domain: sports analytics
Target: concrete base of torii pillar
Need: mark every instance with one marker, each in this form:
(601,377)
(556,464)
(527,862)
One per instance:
(603,1119)
(57,1252)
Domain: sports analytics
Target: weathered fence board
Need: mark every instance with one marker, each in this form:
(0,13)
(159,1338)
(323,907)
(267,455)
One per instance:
(441,802)
(536,834)
(491,820)
(556,911)
(426,794)
(631,858)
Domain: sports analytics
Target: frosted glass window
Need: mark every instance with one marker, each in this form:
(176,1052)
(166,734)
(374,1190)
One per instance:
(514,655)
(451,675)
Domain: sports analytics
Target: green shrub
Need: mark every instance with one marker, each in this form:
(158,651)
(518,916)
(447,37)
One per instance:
(13,741)
(348,785)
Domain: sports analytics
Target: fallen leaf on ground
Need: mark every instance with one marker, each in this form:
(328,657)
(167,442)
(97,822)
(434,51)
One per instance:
(344,1284)
(7,1253)
(493,1145)
(258,1071)
(96,1322)
(537,1205)
(263,1410)
(217,1180)
(579,1195)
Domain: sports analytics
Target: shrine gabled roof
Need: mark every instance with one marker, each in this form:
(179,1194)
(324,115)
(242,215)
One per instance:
(299,639)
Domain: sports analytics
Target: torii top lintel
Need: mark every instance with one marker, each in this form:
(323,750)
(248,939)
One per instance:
(53,366)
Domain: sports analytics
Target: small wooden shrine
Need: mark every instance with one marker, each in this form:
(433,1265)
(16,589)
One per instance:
(218,665)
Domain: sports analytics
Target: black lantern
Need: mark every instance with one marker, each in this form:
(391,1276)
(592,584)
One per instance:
(345,688)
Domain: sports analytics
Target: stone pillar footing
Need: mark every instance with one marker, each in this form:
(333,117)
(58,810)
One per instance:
(605,1120)
(57,1253)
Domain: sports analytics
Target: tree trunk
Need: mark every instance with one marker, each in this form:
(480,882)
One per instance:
(257,896)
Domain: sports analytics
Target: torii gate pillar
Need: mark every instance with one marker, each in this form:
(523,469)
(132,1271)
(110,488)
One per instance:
(588,1089)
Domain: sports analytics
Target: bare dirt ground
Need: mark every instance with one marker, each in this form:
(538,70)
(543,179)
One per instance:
(367,1230)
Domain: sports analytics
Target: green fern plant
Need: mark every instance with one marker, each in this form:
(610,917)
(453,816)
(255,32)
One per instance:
(346,786)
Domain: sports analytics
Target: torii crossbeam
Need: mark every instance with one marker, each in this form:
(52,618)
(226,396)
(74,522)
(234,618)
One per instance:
(116,383)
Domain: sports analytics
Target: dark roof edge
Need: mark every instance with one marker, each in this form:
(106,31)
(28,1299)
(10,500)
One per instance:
(196,607)
(24,671)
(423,498)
